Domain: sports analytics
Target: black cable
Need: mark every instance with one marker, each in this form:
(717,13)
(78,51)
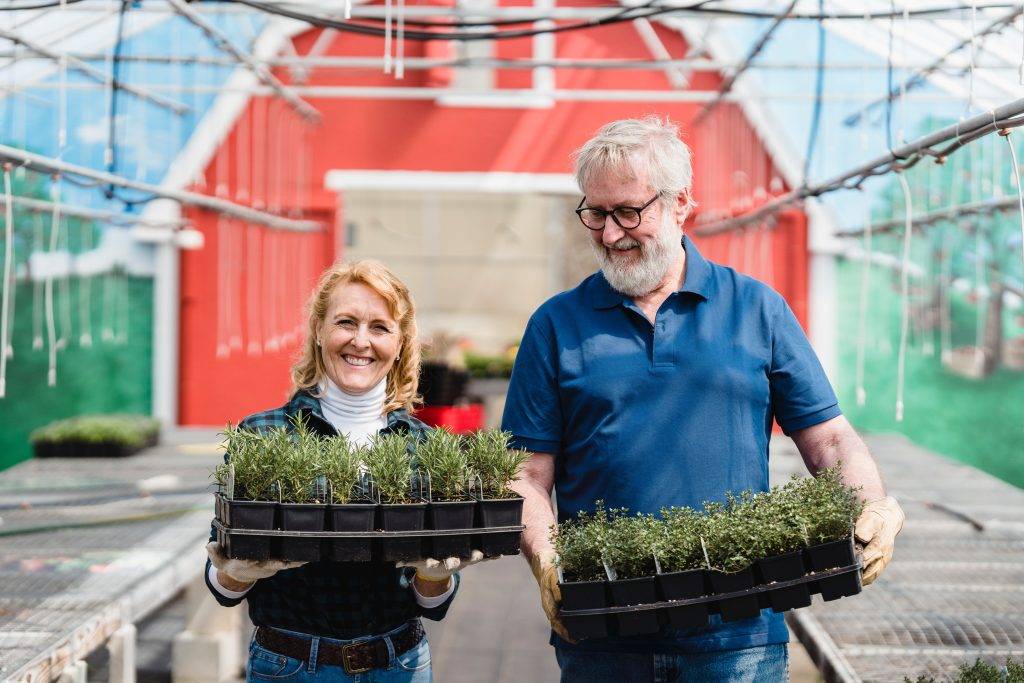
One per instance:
(656,10)
(10,7)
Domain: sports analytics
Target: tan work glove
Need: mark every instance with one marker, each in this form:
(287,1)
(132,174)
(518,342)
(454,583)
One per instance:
(544,570)
(876,528)
(430,569)
(246,571)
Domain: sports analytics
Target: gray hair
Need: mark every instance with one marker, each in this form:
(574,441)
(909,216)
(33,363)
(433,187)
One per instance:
(650,144)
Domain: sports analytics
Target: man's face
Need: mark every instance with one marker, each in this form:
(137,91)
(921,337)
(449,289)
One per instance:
(633,261)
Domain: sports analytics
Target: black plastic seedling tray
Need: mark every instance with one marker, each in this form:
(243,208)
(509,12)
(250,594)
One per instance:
(233,540)
(597,622)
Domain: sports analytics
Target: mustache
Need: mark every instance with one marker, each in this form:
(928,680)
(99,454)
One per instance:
(624,243)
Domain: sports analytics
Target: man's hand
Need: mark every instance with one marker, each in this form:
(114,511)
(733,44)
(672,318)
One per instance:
(876,528)
(543,567)
(246,571)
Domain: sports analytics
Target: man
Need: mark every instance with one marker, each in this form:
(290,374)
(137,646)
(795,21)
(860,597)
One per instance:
(655,382)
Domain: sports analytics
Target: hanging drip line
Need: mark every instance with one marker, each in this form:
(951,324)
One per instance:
(38,245)
(85,293)
(124,307)
(5,330)
(253,267)
(979,264)
(51,330)
(861,393)
(946,314)
(1017,180)
(387,36)
(223,303)
(901,362)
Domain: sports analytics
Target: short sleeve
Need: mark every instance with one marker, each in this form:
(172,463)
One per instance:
(532,408)
(800,391)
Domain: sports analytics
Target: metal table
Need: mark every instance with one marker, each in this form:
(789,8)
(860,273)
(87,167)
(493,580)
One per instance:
(81,574)
(955,588)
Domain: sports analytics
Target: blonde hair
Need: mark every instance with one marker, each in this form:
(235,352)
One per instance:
(404,376)
(626,146)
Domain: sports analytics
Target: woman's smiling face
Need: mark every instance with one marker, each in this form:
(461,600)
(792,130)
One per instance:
(359,338)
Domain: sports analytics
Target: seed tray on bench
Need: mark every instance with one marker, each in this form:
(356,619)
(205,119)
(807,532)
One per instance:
(265,544)
(595,609)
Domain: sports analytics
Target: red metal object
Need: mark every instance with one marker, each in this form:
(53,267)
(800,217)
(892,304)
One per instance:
(456,419)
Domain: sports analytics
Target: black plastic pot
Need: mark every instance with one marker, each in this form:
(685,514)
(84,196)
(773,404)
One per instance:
(250,514)
(352,517)
(829,556)
(83,449)
(684,586)
(626,592)
(584,595)
(402,517)
(301,517)
(220,509)
(451,514)
(495,512)
(741,607)
(784,568)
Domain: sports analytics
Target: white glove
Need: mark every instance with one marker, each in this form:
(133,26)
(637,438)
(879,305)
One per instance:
(430,569)
(246,571)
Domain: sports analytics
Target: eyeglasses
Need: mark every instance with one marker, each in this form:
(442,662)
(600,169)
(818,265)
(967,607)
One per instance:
(626,217)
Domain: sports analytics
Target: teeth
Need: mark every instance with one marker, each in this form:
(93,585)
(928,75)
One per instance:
(353,360)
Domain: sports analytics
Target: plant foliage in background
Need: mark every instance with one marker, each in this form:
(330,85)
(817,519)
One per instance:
(982,672)
(132,431)
(441,455)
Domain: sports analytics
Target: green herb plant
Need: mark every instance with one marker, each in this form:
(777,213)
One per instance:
(131,431)
(580,544)
(495,463)
(390,467)
(629,543)
(677,539)
(440,454)
(255,467)
(340,466)
(299,464)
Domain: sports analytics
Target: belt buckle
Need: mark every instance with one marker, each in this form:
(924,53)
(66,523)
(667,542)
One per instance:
(346,653)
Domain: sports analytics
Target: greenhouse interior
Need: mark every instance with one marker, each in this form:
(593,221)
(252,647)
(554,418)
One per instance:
(322,254)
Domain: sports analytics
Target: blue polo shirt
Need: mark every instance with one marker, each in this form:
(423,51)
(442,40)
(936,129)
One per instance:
(677,412)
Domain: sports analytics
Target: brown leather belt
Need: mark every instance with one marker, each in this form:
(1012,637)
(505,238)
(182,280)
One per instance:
(354,657)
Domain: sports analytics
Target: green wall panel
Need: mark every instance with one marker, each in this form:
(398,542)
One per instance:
(109,376)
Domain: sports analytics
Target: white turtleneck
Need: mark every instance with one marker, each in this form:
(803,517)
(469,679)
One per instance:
(358,416)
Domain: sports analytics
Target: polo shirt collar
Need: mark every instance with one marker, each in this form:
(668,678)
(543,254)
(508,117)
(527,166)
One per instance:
(697,280)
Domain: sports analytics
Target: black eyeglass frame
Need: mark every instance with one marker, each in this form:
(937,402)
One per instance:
(604,218)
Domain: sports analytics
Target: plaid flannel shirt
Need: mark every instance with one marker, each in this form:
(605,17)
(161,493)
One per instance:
(333,599)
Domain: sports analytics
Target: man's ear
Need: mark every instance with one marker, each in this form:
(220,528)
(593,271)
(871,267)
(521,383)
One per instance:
(684,204)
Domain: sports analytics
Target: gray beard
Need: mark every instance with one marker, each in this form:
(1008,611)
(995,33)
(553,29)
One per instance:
(643,276)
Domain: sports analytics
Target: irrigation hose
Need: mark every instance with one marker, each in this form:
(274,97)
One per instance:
(901,363)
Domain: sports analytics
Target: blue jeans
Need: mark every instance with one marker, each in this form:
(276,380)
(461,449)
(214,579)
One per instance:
(412,666)
(763,664)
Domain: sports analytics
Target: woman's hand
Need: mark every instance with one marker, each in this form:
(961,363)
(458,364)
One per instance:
(433,576)
(244,573)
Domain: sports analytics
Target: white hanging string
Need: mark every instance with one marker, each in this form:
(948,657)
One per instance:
(400,42)
(235,240)
(85,293)
(253,308)
(109,301)
(979,263)
(64,292)
(387,36)
(38,245)
(946,312)
(124,307)
(270,249)
(901,362)
(348,9)
(927,326)
(5,330)
(51,328)
(242,168)
(865,274)
(1017,180)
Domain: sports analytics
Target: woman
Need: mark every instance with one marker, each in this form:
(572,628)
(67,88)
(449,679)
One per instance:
(332,621)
